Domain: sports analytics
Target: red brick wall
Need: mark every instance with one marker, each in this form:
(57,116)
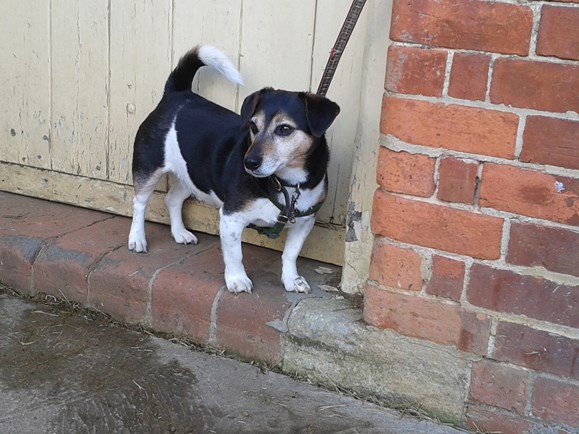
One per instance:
(476,219)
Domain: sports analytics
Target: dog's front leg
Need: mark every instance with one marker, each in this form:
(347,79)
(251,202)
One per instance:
(296,237)
(230,230)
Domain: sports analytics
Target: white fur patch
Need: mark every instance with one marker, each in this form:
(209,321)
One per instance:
(176,164)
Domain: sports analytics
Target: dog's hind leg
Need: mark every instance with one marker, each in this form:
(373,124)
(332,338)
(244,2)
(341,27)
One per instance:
(143,192)
(174,199)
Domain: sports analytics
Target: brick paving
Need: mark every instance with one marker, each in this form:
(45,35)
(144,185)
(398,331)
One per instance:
(81,255)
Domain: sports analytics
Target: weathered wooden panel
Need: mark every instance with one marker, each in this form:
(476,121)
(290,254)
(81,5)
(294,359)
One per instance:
(80,73)
(276,44)
(140,61)
(214,23)
(25,76)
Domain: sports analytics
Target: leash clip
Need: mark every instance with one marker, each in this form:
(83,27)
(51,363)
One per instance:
(292,209)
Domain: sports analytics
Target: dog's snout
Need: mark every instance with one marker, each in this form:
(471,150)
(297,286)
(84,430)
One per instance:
(252,162)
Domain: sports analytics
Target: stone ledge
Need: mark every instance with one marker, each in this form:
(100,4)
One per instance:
(328,343)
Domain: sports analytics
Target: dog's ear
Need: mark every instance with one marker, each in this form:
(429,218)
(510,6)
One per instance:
(248,107)
(250,104)
(320,112)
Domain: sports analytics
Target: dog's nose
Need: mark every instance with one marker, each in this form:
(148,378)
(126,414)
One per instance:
(252,162)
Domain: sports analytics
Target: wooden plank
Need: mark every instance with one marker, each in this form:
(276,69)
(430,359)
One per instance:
(325,243)
(345,90)
(276,44)
(25,72)
(140,61)
(80,63)
(213,23)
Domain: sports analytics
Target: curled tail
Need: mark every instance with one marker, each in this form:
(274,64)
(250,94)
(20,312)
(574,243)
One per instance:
(181,77)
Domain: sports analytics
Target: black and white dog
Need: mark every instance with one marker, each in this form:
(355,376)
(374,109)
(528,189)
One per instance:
(264,168)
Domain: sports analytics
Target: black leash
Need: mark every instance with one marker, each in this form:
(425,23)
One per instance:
(340,45)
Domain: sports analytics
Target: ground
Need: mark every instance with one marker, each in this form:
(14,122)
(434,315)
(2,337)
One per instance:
(68,369)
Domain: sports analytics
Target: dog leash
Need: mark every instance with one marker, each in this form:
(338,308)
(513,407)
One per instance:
(340,45)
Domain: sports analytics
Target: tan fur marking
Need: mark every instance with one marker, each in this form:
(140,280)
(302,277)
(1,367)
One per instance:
(277,151)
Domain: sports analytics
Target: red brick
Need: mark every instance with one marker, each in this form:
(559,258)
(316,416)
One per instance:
(396,267)
(455,127)
(559,32)
(481,419)
(28,225)
(536,349)
(402,172)
(119,285)
(468,24)
(457,180)
(436,226)
(246,322)
(556,401)
(499,385)
(415,71)
(17,254)
(551,141)
(182,295)
(62,268)
(530,192)
(447,278)
(545,86)
(469,76)
(42,219)
(427,319)
(534,297)
(539,246)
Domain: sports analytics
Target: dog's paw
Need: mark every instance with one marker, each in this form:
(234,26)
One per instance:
(184,237)
(138,244)
(298,284)
(238,283)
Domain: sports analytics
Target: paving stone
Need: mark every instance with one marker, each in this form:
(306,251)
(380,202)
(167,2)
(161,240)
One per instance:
(63,267)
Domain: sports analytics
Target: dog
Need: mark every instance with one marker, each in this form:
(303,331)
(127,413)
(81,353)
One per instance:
(264,168)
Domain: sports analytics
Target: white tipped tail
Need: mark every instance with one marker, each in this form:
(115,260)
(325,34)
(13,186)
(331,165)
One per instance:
(213,57)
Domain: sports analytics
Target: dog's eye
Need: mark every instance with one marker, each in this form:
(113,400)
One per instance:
(284,130)
(253,127)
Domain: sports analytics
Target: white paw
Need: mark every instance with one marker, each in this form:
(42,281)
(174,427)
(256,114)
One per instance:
(238,283)
(137,243)
(184,237)
(297,284)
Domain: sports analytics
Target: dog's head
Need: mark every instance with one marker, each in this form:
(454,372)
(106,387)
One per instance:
(284,128)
